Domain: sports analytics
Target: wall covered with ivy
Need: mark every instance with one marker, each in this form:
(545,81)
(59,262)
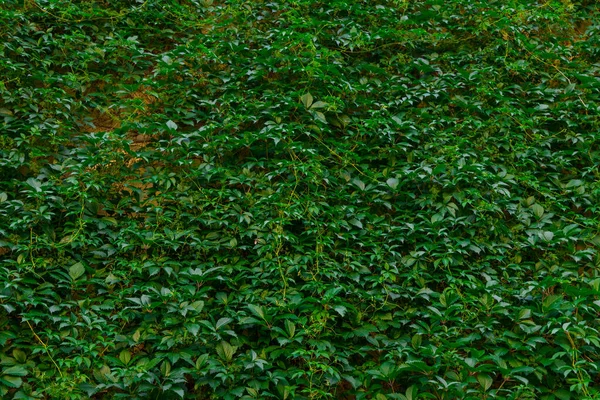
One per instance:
(299,199)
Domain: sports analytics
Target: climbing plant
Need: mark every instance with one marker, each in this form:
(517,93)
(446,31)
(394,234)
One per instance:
(299,199)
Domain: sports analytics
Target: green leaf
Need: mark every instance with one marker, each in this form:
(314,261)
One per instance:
(222,322)
(344,120)
(110,220)
(101,375)
(436,218)
(411,393)
(11,381)
(125,357)
(9,308)
(485,381)
(563,394)
(19,355)
(547,236)
(290,328)
(568,90)
(198,306)
(538,210)
(340,309)
(393,183)
(35,184)
(320,116)
(356,223)
(387,369)
(213,236)
(171,125)
(16,370)
(76,270)
(192,328)
(416,341)
(257,310)
(165,368)
(318,104)
(307,100)
(360,184)
(226,351)
(525,313)
(551,302)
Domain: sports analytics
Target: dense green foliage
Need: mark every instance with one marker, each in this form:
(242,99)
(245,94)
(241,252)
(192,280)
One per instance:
(343,199)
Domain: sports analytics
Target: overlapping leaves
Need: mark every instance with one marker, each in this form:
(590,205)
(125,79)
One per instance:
(299,199)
